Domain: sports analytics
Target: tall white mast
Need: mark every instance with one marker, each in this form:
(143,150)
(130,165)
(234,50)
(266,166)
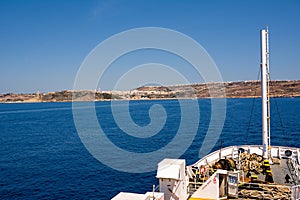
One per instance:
(265,92)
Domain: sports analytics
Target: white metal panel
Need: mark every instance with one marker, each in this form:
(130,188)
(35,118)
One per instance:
(157,196)
(169,172)
(128,196)
(171,168)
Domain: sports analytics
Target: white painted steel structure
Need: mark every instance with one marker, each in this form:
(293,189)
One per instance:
(265,93)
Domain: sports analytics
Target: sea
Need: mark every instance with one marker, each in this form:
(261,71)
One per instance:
(42,155)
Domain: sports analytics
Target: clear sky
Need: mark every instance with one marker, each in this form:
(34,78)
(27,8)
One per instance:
(43,43)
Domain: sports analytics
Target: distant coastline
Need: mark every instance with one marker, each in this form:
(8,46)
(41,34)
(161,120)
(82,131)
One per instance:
(239,89)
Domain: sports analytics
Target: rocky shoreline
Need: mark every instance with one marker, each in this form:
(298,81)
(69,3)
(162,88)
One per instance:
(239,89)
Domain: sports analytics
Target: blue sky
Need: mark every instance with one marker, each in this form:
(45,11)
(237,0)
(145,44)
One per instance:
(43,43)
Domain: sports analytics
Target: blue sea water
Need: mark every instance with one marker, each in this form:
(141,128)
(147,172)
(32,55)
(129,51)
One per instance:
(42,156)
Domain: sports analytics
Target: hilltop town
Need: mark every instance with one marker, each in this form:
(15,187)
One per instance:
(240,89)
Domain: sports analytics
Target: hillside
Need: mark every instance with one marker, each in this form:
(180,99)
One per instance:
(241,89)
